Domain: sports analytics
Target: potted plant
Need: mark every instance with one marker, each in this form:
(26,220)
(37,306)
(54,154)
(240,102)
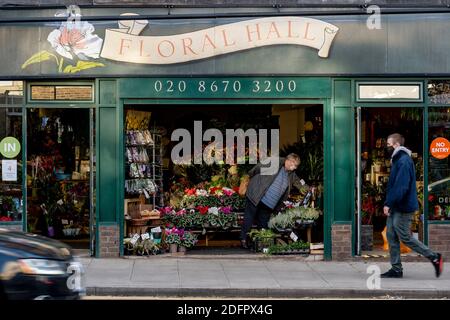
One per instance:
(368,210)
(173,239)
(187,241)
(262,239)
(298,247)
(281,222)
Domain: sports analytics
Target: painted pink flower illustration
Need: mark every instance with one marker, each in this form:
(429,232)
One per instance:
(73,40)
(76,38)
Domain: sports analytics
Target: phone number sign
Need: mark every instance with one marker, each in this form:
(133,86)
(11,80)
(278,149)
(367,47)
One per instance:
(230,87)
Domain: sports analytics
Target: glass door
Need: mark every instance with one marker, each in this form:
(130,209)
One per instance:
(374,125)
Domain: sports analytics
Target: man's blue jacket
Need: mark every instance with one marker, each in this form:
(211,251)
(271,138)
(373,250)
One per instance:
(401,194)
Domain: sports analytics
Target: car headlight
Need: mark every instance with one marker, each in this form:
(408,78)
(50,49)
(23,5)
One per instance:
(42,267)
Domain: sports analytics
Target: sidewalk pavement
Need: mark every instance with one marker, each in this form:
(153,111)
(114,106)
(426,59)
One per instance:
(263,277)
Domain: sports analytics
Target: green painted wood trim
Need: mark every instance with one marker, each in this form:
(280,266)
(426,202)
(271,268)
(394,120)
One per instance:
(327,176)
(97,184)
(340,92)
(342,222)
(108,224)
(121,175)
(60,106)
(343,163)
(24,168)
(11,223)
(437,222)
(107,157)
(425,170)
(221,101)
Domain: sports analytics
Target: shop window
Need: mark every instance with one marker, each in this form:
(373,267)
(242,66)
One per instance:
(439,91)
(59,169)
(11,193)
(439,163)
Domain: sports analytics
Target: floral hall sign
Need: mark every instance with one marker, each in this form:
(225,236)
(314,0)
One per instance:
(77,47)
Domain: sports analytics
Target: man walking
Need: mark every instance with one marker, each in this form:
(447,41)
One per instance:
(399,207)
(266,193)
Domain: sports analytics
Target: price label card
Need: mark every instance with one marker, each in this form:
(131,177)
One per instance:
(155,230)
(134,239)
(293,236)
(145,236)
(64,221)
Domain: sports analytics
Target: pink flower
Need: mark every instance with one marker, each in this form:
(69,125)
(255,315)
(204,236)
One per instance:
(181,212)
(226,210)
(76,38)
(228,192)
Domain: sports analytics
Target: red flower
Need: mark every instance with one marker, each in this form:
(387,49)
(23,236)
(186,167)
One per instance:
(214,189)
(202,209)
(430,198)
(190,192)
(236,189)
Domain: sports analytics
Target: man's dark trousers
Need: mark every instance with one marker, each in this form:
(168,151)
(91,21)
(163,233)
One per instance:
(261,212)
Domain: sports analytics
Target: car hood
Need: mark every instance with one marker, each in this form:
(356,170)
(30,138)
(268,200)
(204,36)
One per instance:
(28,245)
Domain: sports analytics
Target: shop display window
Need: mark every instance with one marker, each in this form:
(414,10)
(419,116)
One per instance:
(58,174)
(11,193)
(439,163)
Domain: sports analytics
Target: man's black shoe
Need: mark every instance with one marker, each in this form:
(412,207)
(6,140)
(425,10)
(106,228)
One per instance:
(438,264)
(392,274)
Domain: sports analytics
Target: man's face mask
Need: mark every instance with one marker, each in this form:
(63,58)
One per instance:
(389,151)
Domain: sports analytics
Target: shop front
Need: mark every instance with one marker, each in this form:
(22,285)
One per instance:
(101,123)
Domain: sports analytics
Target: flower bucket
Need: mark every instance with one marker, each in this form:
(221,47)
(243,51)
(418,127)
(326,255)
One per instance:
(182,249)
(173,248)
(261,244)
(157,237)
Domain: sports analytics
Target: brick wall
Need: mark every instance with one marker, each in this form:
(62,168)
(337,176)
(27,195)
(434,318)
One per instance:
(341,242)
(439,239)
(109,244)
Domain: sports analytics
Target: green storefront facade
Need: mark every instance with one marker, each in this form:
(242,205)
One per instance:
(410,50)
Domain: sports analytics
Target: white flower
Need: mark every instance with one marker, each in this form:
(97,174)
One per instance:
(76,38)
(201,192)
(214,211)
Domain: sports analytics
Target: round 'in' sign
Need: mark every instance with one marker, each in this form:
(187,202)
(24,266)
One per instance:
(9,147)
